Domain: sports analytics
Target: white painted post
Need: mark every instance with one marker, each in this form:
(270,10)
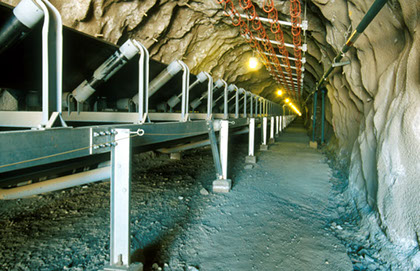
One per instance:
(264,145)
(280,124)
(120,199)
(272,130)
(251,137)
(277,125)
(251,158)
(224,137)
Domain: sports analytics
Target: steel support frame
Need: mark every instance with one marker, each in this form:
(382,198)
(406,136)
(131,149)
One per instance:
(52,59)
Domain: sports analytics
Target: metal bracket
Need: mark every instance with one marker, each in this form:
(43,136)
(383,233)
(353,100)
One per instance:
(339,64)
(143,101)
(101,140)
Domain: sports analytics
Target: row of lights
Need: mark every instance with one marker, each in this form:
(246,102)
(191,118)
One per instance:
(253,65)
(289,103)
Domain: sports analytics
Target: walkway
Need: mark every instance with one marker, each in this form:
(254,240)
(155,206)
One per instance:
(275,218)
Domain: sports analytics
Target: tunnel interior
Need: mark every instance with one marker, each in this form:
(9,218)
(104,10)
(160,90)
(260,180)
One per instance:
(355,96)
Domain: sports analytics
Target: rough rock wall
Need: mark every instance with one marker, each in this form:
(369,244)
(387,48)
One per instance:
(375,109)
(373,102)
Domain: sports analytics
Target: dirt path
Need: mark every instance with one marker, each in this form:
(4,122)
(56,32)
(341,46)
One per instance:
(277,216)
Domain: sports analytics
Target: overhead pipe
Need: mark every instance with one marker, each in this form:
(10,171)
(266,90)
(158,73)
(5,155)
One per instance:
(364,23)
(303,60)
(303,25)
(25,16)
(60,183)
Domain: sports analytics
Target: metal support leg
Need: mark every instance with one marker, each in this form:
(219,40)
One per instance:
(224,184)
(251,158)
(215,151)
(120,203)
(284,123)
(264,145)
(281,124)
(313,143)
(277,125)
(272,140)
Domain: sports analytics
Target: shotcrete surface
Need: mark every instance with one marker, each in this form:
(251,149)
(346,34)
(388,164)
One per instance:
(277,217)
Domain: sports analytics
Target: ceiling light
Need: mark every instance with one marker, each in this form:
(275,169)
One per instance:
(253,63)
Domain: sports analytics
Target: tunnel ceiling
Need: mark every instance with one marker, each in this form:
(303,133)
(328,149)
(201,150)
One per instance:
(372,104)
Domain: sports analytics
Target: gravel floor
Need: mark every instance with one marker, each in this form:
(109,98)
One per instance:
(279,216)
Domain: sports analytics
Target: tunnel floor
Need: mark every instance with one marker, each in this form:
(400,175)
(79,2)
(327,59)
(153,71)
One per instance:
(277,216)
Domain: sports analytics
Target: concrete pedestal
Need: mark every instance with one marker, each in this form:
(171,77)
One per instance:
(132,267)
(222,186)
(263,147)
(175,156)
(313,144)
(251,159)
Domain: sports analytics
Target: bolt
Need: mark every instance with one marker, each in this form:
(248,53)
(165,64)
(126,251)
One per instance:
(95,147)
(95,134)
(120,261)
(107,132)
(101,133)
(102,146)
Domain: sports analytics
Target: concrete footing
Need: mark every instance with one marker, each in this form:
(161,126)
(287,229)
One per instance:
(263,147)
(175,156)
(251,159)
(132,267)
(222,186)
(313,144)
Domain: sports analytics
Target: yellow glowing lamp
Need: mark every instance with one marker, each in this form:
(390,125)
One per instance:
(295,109)
(253,63)
(287,100)
(279,92)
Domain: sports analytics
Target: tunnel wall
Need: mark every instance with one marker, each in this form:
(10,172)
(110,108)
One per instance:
(375,109)
(373,103)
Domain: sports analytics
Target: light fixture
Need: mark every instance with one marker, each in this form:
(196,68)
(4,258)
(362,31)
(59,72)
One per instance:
(253,63)
(295,109)
(279,92)
(287,100)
